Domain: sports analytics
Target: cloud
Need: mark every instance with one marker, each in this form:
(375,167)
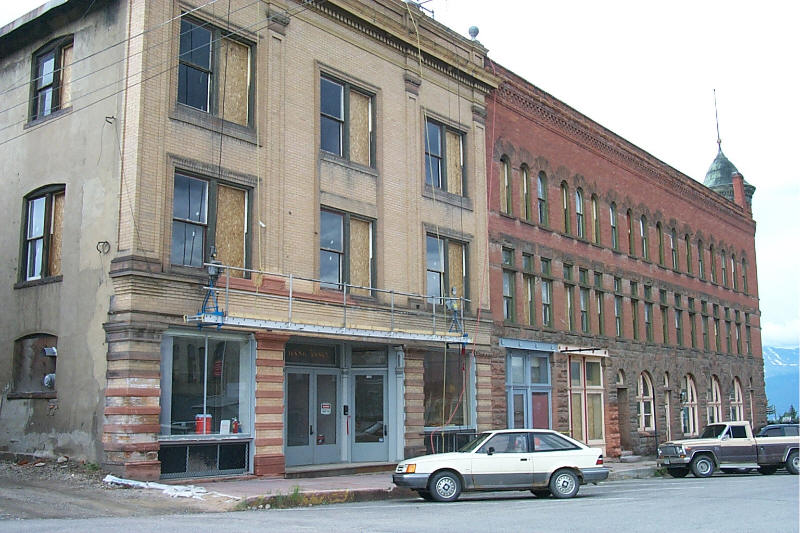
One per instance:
(783,334)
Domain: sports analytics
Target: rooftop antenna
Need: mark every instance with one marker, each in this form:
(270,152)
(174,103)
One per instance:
(716,115)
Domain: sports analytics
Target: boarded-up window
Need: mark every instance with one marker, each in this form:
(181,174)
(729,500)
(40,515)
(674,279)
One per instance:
(234,69)
(455,258)
(231,230)
(66,76)
(360,255)
(32,364)
(56,234)
(360,127)
(455,163)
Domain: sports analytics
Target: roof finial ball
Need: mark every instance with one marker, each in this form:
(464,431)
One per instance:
(473,32)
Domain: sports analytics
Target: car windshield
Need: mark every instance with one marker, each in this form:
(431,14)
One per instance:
(471,445)
(713,431)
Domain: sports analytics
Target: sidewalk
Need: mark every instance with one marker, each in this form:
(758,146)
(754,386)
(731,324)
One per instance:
(279,492)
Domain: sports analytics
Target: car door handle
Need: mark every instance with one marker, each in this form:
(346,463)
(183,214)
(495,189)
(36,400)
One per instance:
(311,429)
(524,459)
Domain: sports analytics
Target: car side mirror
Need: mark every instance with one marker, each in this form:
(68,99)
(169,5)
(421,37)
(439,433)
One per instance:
(726,436)
(490,451)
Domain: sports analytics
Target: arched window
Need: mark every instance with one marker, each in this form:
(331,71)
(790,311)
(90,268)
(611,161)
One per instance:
(580,220)
(744,275)
(526,192)
(643,231)
(505,187)
(595,220)
(612,217)
(42,234)
(701,264)
(644,398)
(688,254)
(713,264)
(673,246)
(734,273)
(688,406)
(667,404)
(714,404)
(541,187)
(629,220)
(34,370)
(565,206)
(660,233)
(737,402)
(724,268)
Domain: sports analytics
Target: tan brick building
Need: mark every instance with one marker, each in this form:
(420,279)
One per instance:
(330,155)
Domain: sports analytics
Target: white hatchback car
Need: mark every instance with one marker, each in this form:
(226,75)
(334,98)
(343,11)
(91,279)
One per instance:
(540,460)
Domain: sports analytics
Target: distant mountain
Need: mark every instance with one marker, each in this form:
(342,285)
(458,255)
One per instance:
(782,376)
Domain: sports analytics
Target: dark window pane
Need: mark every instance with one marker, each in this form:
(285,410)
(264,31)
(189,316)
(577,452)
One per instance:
(330,135)
(173,459)
(45,102)
(434,284)
(330,266)
(433,171)
(202,459)
(433,141)
(195,44)
(330,235)
(193,87)
(233,456)
(435,254)
(45,69)
(331,99)
(187,244)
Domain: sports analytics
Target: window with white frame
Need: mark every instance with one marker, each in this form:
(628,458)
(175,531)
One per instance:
(444,157)
(645,404)
(42,233)
(613,224)
(688,406)
(667,406)
(446,273)
(714,401)
(541,190)
(580,219)
(736,401)
(586,410)
(346,121)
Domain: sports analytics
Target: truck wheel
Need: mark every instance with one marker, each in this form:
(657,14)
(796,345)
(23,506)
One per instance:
(445,486)
(767,470)
(564,484)
(678,472)
(792,463)
(702,466)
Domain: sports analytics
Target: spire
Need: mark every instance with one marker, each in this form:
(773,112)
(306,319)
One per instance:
(716,115)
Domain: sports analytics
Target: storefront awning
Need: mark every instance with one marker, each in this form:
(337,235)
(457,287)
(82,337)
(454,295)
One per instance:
(523,344)
(583,350)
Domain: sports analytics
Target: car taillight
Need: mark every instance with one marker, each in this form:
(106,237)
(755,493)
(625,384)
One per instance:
(599,460)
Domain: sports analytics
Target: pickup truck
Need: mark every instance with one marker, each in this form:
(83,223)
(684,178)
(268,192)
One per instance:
(731,447)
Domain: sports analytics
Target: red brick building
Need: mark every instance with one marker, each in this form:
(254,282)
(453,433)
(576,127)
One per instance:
(624,293)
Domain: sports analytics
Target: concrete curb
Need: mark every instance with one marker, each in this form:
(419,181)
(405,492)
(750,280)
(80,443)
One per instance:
(633,473)
(307,498)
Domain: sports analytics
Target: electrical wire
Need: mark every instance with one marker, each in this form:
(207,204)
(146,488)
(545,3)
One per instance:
(127,77)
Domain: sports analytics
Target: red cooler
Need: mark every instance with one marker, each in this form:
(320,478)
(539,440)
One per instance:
(202,424)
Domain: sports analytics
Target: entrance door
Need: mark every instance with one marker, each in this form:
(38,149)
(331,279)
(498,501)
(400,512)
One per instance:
(368,426)
(311,414)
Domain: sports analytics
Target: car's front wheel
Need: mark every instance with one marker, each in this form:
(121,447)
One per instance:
(564,484)
(792,463)
(445,486)
(702,466)
(678,472)
(425,495)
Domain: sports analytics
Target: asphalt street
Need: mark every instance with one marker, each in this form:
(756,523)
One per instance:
(723,503)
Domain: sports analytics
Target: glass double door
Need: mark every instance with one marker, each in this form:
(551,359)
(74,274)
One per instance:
(312,417)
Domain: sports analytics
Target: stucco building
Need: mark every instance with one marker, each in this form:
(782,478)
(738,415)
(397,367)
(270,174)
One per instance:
(624,293)
(330,156)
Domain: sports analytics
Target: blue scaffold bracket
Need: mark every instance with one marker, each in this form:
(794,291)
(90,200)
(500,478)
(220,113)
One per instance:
(209,309)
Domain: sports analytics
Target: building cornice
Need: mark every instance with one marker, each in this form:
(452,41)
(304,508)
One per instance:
(542,108)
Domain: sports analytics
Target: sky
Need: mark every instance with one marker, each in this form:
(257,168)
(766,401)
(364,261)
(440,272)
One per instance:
(647,72)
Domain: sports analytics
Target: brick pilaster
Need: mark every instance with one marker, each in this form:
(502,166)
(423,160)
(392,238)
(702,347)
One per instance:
(269,458)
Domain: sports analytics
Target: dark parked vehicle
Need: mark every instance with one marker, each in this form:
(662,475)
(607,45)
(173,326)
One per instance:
(779,430)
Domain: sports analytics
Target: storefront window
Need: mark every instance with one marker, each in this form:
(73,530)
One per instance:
(445,384)
(209,386)
(586,399)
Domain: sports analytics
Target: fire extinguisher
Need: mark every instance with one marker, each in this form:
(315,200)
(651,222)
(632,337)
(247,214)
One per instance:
(235,425)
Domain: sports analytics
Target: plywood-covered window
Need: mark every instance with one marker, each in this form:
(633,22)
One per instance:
(210,217)
(444,157)
(346,252)
(346,121)
(446,272)
(51,83)
(42,233)
(214,71)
